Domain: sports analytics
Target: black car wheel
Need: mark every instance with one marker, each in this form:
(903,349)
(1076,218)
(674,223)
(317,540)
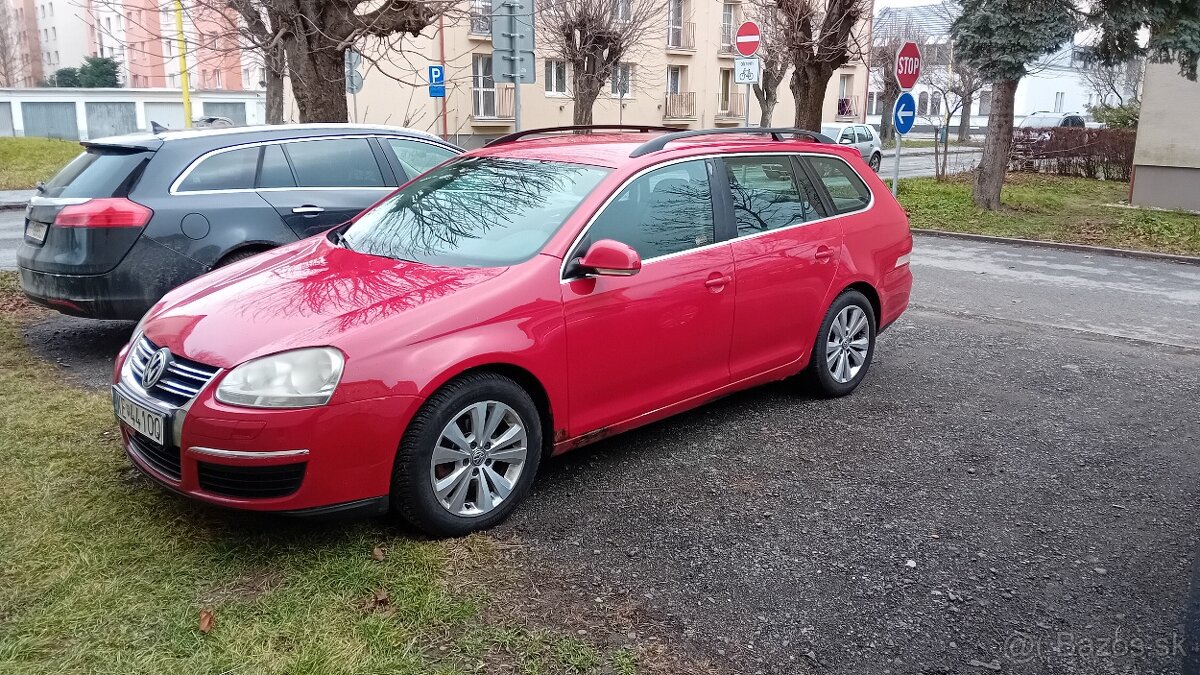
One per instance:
(875,161)
(468,457)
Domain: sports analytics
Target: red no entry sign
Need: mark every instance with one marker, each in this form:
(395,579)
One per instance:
(748,39)
(908,65)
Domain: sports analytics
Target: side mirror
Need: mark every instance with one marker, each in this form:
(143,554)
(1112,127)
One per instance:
(609,258)
(845,141)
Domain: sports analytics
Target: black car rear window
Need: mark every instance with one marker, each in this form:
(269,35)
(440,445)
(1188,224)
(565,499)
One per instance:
(98,172)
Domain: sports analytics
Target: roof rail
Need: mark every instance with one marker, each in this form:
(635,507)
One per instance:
(659,142)
(516,136)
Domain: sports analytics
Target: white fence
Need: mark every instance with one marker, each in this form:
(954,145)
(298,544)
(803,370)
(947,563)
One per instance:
(80,114)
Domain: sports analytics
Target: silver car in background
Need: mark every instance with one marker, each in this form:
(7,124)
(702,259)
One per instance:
(860,136)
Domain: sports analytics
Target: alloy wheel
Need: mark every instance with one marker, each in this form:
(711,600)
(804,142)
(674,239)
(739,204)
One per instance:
(847,344)
(478,458)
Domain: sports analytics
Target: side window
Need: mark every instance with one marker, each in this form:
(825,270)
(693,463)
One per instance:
(864,134)
(665,211)
(847,190)
(767,196)
(275,171)
(231,170)
(334,162)
(416,157)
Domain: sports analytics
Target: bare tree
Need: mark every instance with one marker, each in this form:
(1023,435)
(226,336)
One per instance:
(593,37)
(1120,80)
(775,54)
(822,36)
(12,57)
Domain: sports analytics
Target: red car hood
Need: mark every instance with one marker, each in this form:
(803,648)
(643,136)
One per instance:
(306,294)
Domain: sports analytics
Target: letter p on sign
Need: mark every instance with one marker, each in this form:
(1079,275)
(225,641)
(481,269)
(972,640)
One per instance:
(908,65)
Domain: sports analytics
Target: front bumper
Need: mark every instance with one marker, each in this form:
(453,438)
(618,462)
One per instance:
(305,461)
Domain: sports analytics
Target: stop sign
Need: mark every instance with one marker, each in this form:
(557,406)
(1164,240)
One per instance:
(748,38)
(908,65)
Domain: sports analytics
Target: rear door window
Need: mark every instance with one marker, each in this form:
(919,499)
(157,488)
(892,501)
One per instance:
(847,191)
(275,171)
(334,162)
(864,134)
(99,172)
(416,157)
(768,196)
(228,170)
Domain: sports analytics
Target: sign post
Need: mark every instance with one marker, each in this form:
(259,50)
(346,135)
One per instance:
(512,50)
(904,114)
(747,40)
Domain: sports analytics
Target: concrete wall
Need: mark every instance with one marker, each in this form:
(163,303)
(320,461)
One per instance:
(1166,162)
(94,113)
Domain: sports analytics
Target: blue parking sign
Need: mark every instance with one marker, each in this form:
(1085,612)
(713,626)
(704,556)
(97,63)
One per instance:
(437,75)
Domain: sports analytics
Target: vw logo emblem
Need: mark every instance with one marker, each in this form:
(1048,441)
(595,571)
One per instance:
(155,367)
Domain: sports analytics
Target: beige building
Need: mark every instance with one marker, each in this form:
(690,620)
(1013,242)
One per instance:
(1166,163)
(681,76)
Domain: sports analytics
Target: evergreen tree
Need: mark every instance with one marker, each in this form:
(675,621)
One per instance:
(65,77)
(1001,38)
(99,71)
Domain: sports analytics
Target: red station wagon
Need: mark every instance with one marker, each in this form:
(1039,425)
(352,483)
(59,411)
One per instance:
(516,302)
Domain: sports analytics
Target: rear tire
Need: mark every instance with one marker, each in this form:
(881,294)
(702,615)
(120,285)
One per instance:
(483,475)
(238,256)
(844,346)
(876,160)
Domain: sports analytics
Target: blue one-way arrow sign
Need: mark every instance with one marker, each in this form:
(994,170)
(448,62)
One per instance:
(905,113)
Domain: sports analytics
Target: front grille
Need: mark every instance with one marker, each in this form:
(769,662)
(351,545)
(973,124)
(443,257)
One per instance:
(165,460)
(254,482)
(182,380)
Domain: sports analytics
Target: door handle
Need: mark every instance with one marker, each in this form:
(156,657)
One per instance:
(824,253)
(718,282)
(308,210)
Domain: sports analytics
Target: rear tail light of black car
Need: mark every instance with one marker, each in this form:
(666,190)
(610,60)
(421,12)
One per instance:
(104,212)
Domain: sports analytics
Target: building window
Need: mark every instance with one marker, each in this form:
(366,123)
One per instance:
(168,48)
(217,79)
(556,77)
(483,87)
(725,90)
(173,80)
(872,99)
(622,80)
(923,103)
(1058,101)
(622,11)
(728,14)
(674,79)
(935,105)
(985,102)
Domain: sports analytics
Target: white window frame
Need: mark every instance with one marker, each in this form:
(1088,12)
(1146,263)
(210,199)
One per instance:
(555,88)
(630,73)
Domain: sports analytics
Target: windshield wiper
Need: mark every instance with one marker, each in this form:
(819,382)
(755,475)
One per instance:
(339,239)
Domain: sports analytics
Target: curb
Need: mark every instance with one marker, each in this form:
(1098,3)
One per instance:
(12,206)
(1063,246)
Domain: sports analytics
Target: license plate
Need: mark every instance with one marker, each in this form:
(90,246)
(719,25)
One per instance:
(147,422)
(35,231)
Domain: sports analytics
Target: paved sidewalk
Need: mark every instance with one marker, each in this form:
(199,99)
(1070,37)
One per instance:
(14,199)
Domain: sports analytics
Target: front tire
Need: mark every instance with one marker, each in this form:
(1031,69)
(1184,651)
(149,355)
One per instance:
(844,346)
(468,457)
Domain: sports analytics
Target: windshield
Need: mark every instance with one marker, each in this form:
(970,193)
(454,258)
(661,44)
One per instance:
(831,131)
(475,212)
(1039,122)
(98,172)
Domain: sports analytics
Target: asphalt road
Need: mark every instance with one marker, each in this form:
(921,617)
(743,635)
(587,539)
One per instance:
(1015,487)
(12,228)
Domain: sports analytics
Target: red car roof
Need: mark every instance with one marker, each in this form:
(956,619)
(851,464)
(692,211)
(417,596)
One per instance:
(613,149)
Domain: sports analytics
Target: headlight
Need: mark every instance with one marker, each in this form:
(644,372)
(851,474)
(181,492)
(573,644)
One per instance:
(295,379)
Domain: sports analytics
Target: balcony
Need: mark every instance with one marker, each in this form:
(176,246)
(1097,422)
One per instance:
(847,109)
(731,108)
(480,26)
(492,105)
(680,106)
(682,38)
(725,48)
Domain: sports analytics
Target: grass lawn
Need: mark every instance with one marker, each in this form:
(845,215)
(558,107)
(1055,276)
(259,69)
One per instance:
(25,161)
(102,572)
(1051,208)
(928,143)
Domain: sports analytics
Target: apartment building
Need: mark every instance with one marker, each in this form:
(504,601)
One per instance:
(683,75)
(138,34)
